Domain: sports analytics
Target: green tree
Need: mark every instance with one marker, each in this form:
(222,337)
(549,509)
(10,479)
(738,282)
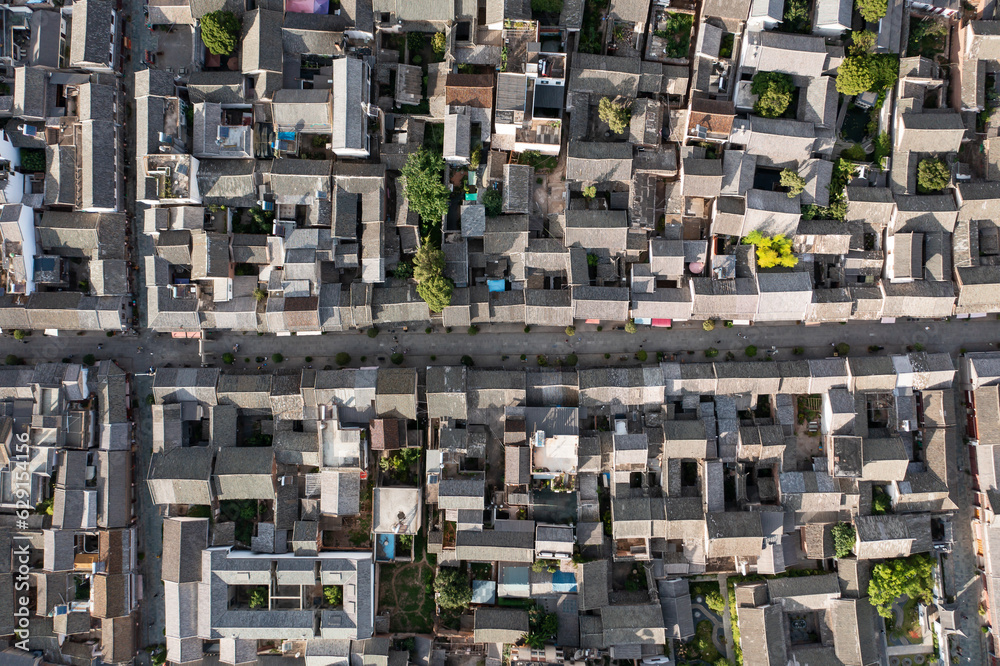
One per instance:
(428,262)
(750,351)
(452,588)
(228,358)
(476,158)
(436,292)
(871,10)
(796,17)
(771,251)
(593,259)
(150,400)
(630,326)
(843,539)
(715,602)
(855,76)
(262,220)
(258,597)
(617,113)
(571,331)
(546,6)
(277,358)
(881,502)
(403,270)
(424,186)
(396,358)
(913,576)
(534,640)
(342,358)
(259,294)
(492,202)
(89,360)
(546,624)
(855,152)
(708,325)
(932,175)
(438,44)
(19,334)
(32,160)
(862,42)
(590,192)
(711,352)
(793,181)
(333,594)
(220,30)
(467,361)
(774,93)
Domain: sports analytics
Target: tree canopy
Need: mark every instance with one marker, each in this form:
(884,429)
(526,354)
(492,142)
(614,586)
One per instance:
(871,10)
(428,261)
(771,250)
(913,576)
(492,202)
(774,93)
(843,539)
(854,76)
(793,181)
(452,587)
(220,30)
(424,186)
(932,175)
(428,271)
(436,292)
(862,71)
(617,113)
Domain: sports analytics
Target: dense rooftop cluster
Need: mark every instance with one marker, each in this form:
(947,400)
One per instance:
(588,512)
(313,166)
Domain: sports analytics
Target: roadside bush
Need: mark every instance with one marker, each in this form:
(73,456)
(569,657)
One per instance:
(750,351)
(396,358)
(843,349)
(473,330)
(711,352)
(372,332)
(571,360)
(342,358)
(630,326)
(570,331)
(641,355)
(708,325)
(277,358)
(798,351)
(228,358)
(467,361)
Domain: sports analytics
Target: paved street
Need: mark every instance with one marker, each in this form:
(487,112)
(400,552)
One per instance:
(488,348)
(961,577)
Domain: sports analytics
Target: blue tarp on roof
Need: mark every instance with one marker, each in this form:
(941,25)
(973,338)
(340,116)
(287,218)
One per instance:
(496,285)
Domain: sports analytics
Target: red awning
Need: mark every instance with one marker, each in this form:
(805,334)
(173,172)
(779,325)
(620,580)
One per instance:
(592,321)
(661,323)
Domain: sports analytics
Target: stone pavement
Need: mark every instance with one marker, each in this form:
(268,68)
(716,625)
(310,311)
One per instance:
(686,342)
